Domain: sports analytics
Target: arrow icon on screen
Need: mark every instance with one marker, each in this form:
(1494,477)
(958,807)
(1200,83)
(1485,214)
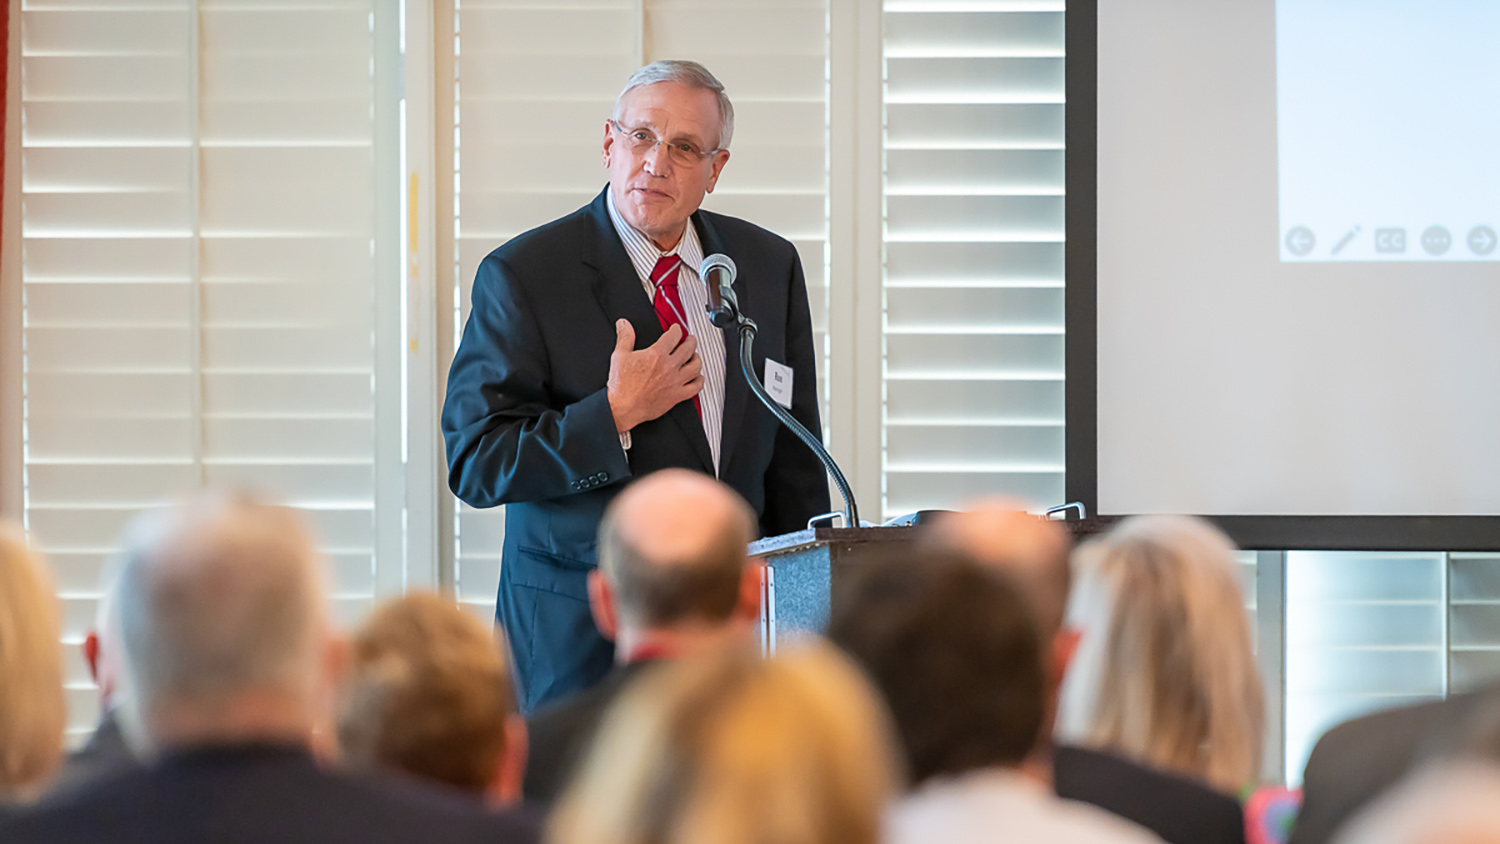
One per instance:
(1300,241)
(1482,240)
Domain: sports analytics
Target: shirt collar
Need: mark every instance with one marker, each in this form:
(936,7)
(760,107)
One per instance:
(643,253)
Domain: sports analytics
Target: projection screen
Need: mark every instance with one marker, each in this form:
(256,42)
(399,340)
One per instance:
(1283,280)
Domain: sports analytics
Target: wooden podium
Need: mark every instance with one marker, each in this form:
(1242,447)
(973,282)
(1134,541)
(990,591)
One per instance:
(802,568)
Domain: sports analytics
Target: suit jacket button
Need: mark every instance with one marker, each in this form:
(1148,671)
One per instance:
(603,476)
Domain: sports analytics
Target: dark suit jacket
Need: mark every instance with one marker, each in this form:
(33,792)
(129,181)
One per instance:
(560,735)
(1356,761)
(253,794)
(1179,810)
(527,420)
(104,754)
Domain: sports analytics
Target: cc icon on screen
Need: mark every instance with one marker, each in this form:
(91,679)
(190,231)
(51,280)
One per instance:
(1390,240)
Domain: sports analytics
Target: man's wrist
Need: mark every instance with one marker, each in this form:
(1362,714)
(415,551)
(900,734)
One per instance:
(623,425)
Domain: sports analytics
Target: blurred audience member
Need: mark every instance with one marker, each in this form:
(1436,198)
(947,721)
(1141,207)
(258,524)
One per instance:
(1356,762)
(673,580)
(231,662)
(32,713)
(1165,672)
(955,649)
(106,750)
(428,695)
(1000,534)
(1448,803)
(732,749)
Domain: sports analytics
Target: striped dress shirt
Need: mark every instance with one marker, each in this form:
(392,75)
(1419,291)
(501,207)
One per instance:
(644,255)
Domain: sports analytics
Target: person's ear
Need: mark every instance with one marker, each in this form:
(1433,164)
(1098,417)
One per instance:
(336,659)
(747,607)
(510,768)
(720,159)
(333,669)
(90,648)
(602,606)
(1064,646)
(609,140)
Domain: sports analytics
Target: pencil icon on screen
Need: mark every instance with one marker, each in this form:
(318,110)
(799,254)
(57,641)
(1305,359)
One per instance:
(1344,241)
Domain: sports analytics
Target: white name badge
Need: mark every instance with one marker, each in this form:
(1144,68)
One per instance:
(779,383)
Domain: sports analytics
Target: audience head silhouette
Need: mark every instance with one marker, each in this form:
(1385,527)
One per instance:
(1165,671)
(428,695)
(734,749)
(999,533)
(222,613)
(672,563)
(954,649)
(31,680)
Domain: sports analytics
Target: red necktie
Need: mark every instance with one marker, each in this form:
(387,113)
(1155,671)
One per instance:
(668,301)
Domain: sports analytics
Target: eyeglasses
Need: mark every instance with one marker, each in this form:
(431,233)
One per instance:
(641,141)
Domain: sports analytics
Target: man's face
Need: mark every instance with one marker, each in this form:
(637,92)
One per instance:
(654,193)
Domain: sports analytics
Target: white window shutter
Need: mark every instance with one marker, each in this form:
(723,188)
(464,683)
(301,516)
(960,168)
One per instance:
(197,236)
(974,253)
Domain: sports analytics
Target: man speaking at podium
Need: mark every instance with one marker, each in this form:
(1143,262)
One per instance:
(588,360)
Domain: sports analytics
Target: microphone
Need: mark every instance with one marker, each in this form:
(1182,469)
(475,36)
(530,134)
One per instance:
(717,272)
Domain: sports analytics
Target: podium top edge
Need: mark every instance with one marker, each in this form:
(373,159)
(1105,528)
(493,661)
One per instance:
(1080,530)
(822,536)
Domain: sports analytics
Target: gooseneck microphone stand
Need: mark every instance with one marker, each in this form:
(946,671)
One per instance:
(729,312)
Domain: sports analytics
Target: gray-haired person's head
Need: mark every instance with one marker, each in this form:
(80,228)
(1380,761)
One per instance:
(687,73)
(219,597)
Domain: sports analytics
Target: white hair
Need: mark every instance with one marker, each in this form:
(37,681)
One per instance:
(216,597)
(687,73)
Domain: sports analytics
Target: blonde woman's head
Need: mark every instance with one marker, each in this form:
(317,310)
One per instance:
(1165,672)
(733,749)
(32,713)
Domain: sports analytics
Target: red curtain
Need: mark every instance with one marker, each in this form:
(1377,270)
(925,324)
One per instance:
(5,63)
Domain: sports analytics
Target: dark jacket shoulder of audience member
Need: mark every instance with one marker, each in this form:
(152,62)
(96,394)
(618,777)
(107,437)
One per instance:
(1179,809)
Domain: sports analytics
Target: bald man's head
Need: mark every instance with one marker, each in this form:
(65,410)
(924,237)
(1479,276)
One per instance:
(1001,534)
(673,548)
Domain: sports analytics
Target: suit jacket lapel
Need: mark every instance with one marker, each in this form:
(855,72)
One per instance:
(619,291)
(736,391)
